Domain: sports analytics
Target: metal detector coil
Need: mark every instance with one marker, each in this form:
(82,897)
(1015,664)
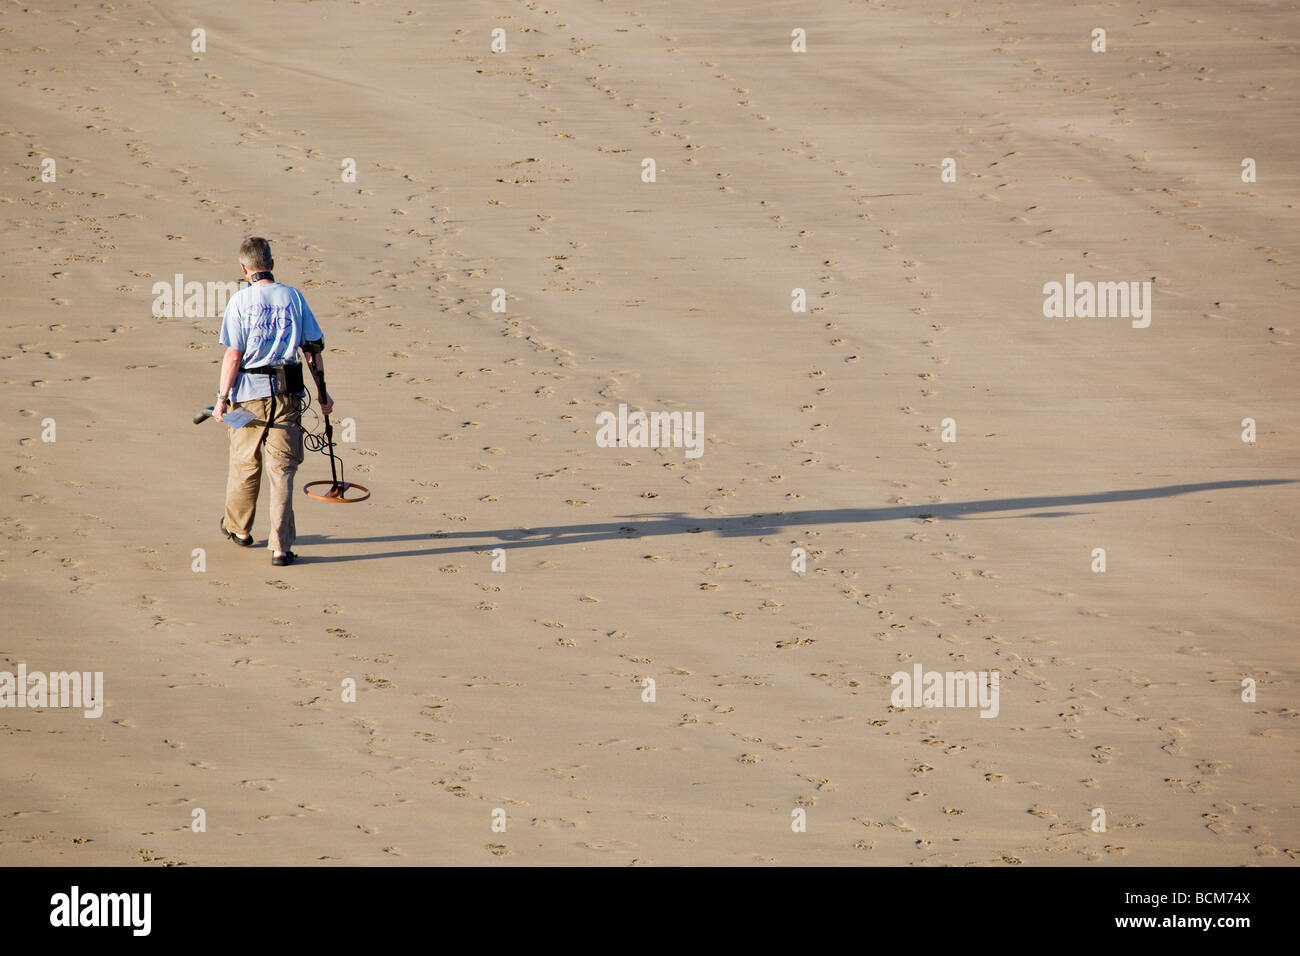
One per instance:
(339,492)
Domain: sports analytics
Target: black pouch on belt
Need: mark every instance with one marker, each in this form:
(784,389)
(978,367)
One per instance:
(288,379)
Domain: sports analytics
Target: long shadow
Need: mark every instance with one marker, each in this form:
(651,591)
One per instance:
(674,522)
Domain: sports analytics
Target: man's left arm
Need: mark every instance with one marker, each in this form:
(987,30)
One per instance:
(229,369)
(232,337)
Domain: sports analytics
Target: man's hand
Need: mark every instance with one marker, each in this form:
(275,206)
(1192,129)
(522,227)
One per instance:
(326,404)
(220,408)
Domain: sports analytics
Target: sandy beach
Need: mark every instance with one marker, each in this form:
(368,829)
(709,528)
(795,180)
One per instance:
(838,267)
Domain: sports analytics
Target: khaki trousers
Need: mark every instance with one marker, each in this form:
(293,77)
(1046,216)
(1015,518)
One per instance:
(275,447)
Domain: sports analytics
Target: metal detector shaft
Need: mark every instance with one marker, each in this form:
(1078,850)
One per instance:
(329,441)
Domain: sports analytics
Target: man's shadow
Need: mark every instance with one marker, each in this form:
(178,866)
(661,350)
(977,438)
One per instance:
(675,522)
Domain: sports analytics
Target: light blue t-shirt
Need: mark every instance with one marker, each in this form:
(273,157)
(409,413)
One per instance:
(268,323)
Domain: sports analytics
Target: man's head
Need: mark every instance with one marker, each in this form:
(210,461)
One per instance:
(255,255)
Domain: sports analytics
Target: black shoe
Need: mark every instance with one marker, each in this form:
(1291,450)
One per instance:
(287,558)
(242,542)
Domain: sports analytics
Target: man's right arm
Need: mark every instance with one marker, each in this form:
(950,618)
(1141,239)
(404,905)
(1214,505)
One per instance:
(315,355)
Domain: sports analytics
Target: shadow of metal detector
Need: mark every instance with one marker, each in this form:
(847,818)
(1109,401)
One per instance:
(336,491)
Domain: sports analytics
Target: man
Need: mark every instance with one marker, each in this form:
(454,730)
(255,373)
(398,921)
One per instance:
(265,325)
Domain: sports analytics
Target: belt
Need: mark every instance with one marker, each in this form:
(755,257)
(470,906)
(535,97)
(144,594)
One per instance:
(269,369)
(283,379)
